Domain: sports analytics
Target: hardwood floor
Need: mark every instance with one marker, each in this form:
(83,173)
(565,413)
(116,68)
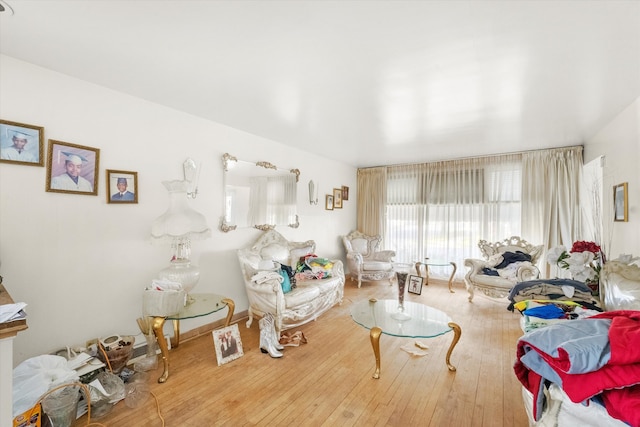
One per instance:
(328,381)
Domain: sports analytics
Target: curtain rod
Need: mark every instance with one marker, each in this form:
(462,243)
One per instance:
(476,157)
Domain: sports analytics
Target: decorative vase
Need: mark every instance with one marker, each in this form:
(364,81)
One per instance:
(402,271)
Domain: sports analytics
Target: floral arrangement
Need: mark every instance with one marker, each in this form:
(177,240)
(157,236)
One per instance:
(583,261)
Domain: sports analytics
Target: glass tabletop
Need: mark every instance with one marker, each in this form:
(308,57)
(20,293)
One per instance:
(425,322)
(435,262)
(199,305)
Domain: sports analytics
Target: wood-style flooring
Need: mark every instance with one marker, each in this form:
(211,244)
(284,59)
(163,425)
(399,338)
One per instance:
(328,381)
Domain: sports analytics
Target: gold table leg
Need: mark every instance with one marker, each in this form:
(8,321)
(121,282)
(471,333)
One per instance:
(232,307)
(456,336)
(453,273)
(375,343)
(158,323)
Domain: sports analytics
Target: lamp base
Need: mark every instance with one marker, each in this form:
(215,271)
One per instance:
(183,272)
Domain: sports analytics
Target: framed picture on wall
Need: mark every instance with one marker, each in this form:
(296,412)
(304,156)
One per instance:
(621,202)
(72,168)
(328,202)
(21,143)
(337,198)
(228,344)
(122,186)
(345,192)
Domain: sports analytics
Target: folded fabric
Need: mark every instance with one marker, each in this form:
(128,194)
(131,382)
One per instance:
(549,311)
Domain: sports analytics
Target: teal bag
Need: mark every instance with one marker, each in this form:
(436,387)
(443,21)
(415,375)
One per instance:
(286,283)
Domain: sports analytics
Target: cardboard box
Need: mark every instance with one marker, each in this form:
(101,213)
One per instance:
(30,418)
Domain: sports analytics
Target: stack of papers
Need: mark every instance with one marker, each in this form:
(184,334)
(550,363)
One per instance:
(11,312)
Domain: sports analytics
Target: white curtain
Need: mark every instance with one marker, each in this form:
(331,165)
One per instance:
(441,210)
(551,198)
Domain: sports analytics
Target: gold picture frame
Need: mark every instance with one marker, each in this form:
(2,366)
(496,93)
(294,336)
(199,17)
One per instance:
(72,168)
(328,202)
(21,143)
(621,202)
(122,186)
(337,198)
(345,192)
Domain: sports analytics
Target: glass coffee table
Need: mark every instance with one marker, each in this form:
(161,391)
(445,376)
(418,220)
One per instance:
(198,305)
(425,322)
(436,263)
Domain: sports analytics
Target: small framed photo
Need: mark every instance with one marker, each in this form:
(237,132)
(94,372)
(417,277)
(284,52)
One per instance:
(345,192)
(122,186)
(337,198)
(21,144)
(72,168)
(228,344)
(415,284)
(621,202)
(328,202)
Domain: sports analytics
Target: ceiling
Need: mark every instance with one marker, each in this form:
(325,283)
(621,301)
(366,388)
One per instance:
(363,82)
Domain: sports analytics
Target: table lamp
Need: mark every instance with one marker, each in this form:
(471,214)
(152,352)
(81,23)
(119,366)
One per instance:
(179,225)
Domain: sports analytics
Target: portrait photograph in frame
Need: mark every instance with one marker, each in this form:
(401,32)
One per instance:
(328,202)
(415,284)
(72,168)
(345,192)
(21,143)
(122,186)
(227,343)
(337,198)
(621,202)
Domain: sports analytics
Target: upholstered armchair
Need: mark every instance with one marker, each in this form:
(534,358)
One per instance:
(505,264)
(365,260)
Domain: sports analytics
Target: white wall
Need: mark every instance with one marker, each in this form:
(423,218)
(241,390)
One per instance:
(619,142)
(80,263)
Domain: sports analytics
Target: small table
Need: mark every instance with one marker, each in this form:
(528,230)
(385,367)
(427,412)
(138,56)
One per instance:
(198,305)
(425,322)
(434,263)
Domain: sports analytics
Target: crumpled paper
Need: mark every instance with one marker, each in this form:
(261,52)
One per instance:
(417,349)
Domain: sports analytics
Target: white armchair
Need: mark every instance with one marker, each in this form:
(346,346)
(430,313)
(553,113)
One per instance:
(504,266)
(364,259)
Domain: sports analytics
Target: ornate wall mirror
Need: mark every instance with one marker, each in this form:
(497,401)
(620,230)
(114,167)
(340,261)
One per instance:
(258,195)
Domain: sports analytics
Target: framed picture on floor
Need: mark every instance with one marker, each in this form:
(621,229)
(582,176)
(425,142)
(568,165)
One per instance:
(21,144)
(621,202)
(228,344)
(415,284)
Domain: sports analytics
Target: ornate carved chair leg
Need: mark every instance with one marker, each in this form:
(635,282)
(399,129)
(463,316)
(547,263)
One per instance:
(375,343)
(456,336)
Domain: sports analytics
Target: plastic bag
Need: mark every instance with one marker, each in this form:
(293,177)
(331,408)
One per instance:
(34,377)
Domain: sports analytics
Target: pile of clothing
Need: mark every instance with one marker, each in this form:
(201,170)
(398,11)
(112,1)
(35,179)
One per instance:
(594,360)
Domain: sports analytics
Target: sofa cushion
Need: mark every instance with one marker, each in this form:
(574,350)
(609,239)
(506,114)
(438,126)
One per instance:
(276,252)
(298,253)
(301,295)
(376,266)
(360,246)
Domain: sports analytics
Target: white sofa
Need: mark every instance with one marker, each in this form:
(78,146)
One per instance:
(499,286)
(308,300)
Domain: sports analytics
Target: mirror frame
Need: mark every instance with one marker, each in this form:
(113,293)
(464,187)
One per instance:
(226,160)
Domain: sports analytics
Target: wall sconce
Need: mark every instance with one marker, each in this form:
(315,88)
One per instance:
(313,193)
